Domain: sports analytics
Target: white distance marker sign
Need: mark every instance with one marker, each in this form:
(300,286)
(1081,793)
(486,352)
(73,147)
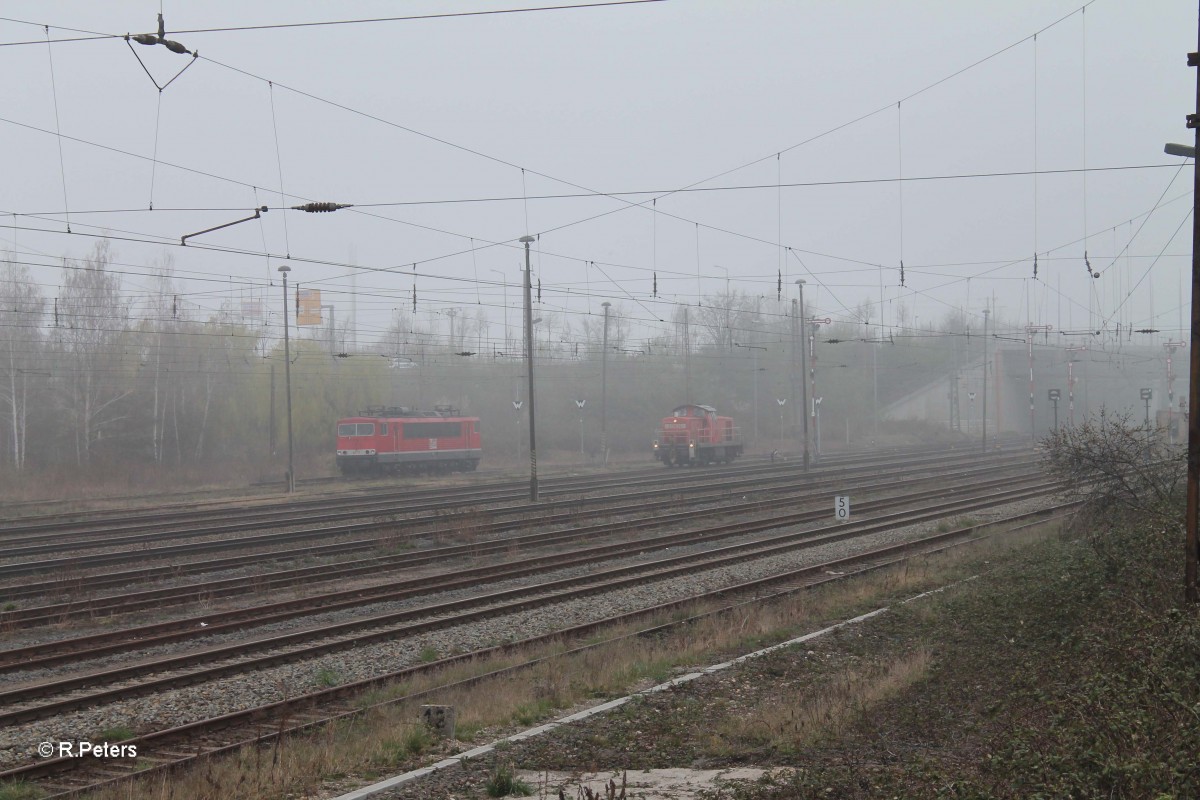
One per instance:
(841,508)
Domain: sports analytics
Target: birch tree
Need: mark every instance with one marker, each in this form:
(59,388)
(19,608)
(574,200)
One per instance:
(22,307)
(93,319)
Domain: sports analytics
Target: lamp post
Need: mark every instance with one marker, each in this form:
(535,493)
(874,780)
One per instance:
(604,389)
(533,481)
(803,375)
(287,371)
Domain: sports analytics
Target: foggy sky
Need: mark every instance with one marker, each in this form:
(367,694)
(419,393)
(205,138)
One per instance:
(648,97)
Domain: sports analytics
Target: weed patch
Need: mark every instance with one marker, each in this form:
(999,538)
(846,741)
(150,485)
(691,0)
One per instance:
(116,734)
(327,677)
(504,783)
(20,791)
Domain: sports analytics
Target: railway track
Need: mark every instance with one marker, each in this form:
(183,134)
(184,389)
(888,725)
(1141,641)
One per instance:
(181,745)
(573,513)
(635,540)
(90,553)
(209,624)
(161,673)
(55,528)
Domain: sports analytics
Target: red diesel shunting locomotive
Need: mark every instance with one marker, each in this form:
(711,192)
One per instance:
(399,439)
(694,434)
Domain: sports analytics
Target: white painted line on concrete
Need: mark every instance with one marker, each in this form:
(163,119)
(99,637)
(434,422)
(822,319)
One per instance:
(408,777)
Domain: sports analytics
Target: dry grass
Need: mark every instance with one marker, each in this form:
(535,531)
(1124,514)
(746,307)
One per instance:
(387,738)
(788,721)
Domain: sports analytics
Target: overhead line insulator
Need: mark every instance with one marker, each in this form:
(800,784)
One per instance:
(321,208)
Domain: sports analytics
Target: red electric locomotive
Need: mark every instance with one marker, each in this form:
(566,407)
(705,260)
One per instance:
(398,439)
(694,434)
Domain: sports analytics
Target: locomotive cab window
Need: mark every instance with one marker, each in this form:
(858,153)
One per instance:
(383,429)
(347,429)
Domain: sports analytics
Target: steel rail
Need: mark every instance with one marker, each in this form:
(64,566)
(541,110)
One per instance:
(508,601)
(209,589)
(257,726)
(180,629)
(368,503)
(70,563)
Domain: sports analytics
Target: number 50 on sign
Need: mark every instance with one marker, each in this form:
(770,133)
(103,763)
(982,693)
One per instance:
(841,508)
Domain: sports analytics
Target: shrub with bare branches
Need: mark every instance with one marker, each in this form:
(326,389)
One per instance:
(1113,465)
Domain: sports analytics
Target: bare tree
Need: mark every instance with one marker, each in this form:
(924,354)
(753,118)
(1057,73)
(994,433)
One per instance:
(93,320)
(21,311)
(162,321)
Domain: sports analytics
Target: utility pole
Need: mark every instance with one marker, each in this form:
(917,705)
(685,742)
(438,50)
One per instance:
(955,410)
(452,313)
(604,386)
(287,371)
(1030,330)
(875,388)
(753,348)
(983,415)
(1191,541)
(687,351)
(803,376)
(580,404)
(1071,384)
(1171,348)
(816,405)
(271,426)
(533,480)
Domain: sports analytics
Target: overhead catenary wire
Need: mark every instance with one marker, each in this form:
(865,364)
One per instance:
(724,230)
(642,204)
(586,195)
(279,164)
(473,247)
(911,95)
(998,266)
(62,164)
(95,35)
